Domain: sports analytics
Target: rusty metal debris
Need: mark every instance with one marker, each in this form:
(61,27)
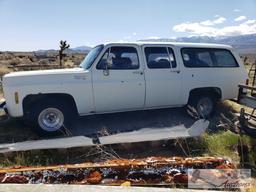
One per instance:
(147,171)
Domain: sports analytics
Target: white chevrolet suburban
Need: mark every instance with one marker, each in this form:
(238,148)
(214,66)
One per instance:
(117,77)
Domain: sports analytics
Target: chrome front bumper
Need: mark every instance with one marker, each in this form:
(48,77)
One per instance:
(3,105)
(4,116)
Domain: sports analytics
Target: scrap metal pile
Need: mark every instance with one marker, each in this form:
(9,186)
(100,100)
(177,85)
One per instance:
(147,171)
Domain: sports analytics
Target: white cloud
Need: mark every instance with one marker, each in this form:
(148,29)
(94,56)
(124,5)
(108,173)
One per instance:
(237,10)
(219,20)
(251,21)
(194,28)
(134,33)
(199,28)
(207,23)
(240,18)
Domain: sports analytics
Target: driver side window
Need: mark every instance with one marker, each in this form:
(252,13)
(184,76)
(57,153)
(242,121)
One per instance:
(124,58)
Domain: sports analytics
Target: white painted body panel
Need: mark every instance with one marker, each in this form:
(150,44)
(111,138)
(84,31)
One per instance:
(227,79)
(125,90)
(163,86)
(120,90)
(76,82)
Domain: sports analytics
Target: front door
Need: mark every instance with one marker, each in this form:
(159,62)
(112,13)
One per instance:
(118,80)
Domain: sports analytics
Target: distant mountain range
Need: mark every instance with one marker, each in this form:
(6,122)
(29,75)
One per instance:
(243,43)
(80,49)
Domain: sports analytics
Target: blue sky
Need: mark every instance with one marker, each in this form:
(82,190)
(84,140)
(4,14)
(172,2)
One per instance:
(39,24)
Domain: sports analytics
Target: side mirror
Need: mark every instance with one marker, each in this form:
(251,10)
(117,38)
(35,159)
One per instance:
(108,63)
(106,71)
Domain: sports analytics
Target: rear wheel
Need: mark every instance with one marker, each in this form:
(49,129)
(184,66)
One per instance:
(50,117)
(203,104)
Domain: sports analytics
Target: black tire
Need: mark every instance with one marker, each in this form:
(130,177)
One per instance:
(53,108)
(204,104)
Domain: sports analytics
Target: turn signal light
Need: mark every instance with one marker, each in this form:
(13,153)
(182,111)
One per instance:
(16,97)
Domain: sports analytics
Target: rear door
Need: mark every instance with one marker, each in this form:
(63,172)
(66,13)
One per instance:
(118,80)
(163,76)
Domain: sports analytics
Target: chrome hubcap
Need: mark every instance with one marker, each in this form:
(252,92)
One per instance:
(51,119)
(204,106)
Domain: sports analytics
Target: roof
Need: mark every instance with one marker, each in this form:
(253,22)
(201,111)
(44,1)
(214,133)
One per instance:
(177,44)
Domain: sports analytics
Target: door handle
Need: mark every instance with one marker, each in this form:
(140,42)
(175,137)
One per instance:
(138,72)
(175,71)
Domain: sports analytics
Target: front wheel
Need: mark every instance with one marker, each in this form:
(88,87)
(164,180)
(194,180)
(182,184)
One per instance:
(49,117)
(203,104)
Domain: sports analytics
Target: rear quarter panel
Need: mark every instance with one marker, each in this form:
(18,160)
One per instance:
(227,79)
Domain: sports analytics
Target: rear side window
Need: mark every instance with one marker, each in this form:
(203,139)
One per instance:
(160,58)
(204,57)
(225,59)
(119,58)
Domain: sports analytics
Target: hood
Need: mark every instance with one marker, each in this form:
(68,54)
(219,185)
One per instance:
(44,72)
(44,77)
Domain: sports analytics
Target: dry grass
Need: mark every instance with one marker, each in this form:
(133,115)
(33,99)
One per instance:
(4,70)
(18,60)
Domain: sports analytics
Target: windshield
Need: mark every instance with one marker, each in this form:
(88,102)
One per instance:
(90,58)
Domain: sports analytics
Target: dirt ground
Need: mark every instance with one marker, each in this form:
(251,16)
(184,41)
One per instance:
(16,130)
(128,121)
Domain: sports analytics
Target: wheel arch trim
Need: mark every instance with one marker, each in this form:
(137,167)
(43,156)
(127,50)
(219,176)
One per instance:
(207,90)
(31,99)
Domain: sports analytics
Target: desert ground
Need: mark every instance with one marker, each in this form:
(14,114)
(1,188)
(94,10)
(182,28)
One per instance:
(16,61)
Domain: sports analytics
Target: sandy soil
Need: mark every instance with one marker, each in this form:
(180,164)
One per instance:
(16,130)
